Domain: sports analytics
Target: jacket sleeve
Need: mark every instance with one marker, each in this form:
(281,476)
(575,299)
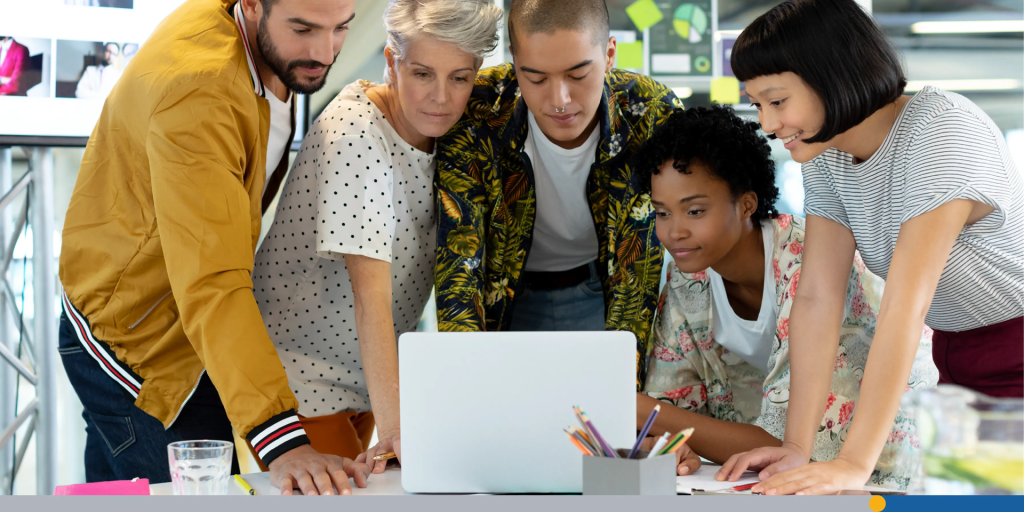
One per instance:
(459,272)
(198,142)
(20,55)
(635,264)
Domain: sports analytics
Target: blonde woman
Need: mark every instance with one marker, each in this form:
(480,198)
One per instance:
(348,264)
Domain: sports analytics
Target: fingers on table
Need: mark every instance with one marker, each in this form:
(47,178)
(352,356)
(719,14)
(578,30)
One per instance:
(772,469)
(305,483)
(790,482)
(359,471)
(735,466)
(687,462)
(376,466)
(336,474)
(287,484)
(323,481)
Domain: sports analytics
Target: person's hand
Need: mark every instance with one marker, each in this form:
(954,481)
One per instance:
(767,460)
(686,461)
(315,473)
(385,444)
(816,478)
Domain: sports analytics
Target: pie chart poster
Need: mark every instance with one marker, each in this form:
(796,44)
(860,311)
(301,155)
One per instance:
(682,43)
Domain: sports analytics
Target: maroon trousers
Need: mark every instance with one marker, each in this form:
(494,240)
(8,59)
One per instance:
(988,359)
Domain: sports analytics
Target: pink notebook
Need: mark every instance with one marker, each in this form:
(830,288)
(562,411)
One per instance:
(136,487)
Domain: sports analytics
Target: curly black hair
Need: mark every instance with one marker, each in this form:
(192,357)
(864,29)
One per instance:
(729,147)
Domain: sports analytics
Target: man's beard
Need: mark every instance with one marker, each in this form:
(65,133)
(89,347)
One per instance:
(286,70)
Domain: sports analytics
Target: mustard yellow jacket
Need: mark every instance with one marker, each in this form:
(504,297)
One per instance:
(159,239)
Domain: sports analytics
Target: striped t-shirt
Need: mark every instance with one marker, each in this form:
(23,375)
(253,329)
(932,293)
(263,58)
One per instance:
(942,148)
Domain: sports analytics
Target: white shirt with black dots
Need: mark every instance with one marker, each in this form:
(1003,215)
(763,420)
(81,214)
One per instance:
(356,188)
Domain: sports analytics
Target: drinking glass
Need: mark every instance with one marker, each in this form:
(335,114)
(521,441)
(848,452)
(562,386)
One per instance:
(200,467)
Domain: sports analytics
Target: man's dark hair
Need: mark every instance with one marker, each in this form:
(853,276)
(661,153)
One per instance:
(547,16)
(835,47)
(731,149)
(267,6)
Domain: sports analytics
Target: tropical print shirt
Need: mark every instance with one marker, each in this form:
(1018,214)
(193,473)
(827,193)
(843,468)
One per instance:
(487,205)
(690,370)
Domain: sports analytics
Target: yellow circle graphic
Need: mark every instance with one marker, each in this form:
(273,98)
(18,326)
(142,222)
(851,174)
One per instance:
(702,64)
(877,503)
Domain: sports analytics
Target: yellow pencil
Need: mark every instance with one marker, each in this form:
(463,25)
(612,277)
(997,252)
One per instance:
(245,486)
(385,456)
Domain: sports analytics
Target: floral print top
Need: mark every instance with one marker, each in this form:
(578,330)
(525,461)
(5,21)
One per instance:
(688,369)
(487,205)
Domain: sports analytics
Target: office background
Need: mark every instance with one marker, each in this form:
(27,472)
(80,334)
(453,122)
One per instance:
(941,42)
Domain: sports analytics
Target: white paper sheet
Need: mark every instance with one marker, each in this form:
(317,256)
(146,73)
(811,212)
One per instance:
(704,478)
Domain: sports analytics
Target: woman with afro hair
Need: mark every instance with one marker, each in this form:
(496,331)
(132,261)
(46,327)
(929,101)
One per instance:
(720,359)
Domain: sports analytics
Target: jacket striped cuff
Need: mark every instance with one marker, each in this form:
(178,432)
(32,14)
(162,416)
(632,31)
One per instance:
(276,436)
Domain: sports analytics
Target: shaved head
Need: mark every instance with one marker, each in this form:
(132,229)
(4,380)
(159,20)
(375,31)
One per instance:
(526,17)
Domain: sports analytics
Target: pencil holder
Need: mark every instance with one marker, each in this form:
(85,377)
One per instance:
(642,476)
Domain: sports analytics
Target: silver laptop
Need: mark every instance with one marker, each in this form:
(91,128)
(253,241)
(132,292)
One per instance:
(484,412)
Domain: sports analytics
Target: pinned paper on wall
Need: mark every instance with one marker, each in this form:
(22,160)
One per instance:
(630,55)
(725,90)
(644,13)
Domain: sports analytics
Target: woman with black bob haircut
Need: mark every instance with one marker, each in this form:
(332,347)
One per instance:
(925,188)
(720,361)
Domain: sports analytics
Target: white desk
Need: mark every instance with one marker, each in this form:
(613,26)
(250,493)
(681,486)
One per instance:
(389,483)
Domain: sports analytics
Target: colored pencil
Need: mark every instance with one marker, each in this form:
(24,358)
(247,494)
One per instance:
(662,441)
(576,435)
(643,432)
(679,441)
(587,440)
(746,487)
(589,433)
(597,435)
(578,445)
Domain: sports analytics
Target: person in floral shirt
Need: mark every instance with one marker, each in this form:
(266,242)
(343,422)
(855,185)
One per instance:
(541,223)
(720,352)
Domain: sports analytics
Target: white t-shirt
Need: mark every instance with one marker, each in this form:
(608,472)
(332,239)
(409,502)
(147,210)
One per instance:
(97,82)
(356,187)
(280,129)
(4,48)
(751,340)
(941,148)
(564,236)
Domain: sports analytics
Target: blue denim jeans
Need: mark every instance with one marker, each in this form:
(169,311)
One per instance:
(576,308)
(122,441)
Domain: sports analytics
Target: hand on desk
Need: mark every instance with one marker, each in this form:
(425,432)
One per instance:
(768,460)
(816,478)
(315,473)
(386,443)
(686,461)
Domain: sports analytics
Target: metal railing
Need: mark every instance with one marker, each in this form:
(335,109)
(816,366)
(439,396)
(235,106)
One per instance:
(28,352)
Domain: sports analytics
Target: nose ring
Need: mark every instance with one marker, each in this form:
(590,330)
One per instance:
(560,110)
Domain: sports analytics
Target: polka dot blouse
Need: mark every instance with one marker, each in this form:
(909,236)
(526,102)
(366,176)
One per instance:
(356,188)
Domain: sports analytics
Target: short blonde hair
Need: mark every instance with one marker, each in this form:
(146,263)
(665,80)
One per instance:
(470,25)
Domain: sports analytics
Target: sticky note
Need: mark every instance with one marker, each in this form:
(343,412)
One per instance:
(630,55)
(644,13)
(725,90)
(136,487)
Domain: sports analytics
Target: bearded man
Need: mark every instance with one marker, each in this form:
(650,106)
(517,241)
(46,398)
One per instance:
(160,335)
